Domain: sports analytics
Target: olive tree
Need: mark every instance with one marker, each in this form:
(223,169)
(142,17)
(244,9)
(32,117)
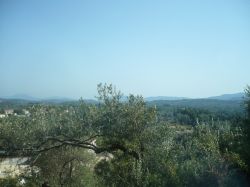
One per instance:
(111,126)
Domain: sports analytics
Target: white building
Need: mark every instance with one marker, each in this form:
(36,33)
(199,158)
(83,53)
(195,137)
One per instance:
(2,116)
(9,111)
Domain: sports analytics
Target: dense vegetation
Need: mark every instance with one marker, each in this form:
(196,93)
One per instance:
(130,143)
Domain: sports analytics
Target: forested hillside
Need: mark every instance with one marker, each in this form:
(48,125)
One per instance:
(193,111)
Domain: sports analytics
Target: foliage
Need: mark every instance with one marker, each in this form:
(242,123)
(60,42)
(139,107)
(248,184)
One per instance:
(118,142)
(245,152)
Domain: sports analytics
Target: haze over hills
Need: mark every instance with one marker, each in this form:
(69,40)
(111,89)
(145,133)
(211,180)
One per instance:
(31,98)
(25,99)
(21,97)
(170,98)
(235,96)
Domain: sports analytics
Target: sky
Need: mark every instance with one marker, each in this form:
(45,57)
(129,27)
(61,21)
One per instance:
(148,47)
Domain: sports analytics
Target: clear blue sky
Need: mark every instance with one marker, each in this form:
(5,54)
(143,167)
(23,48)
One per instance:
(173,48)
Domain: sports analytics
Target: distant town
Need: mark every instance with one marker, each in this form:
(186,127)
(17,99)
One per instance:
(15,112)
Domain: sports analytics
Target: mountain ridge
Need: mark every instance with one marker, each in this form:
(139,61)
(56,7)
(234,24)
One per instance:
(234,96)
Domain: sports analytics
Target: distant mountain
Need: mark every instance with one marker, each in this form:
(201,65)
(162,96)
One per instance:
(164,98)
(236,96)
(25,97)
(56,99)
(22,97)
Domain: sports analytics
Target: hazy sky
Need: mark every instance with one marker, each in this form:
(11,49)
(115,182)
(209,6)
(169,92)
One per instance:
(174,48)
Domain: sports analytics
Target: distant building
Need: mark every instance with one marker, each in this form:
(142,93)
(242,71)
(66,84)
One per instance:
(9,111)
(2,116)
(26,112)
